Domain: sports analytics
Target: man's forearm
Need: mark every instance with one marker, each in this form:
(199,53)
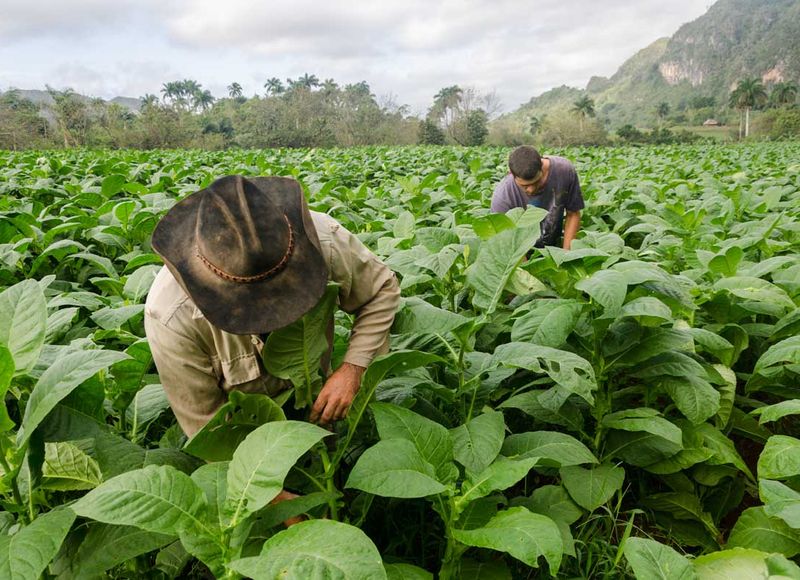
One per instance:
(571,226)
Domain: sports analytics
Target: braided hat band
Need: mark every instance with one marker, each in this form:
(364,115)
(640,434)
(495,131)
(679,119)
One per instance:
(257,277)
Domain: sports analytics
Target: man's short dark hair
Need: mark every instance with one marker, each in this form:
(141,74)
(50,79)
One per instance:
(525,162)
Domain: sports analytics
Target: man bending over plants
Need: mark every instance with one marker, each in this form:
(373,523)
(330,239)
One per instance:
(245,257)
(550,183)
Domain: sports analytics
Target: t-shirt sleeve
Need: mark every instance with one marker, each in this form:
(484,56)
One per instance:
(575,197)
(501,200)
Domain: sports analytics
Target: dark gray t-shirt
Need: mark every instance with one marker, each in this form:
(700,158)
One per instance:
(561,192)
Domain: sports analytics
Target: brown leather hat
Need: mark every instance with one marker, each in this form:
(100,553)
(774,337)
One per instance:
(245,250)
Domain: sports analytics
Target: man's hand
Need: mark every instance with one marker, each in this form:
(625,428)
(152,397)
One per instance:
(337,394)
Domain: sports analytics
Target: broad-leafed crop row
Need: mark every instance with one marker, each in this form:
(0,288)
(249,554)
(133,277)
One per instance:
(628,407)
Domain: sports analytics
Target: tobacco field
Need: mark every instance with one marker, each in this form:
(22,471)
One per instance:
(626,409)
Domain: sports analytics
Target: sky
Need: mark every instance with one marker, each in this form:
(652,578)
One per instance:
(407,50)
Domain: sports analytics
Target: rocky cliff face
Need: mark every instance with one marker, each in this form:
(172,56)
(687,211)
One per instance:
(676,72)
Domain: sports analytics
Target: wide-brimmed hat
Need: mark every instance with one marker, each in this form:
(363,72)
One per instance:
(246,252)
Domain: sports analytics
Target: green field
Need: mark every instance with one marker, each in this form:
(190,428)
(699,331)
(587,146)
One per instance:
(625,409)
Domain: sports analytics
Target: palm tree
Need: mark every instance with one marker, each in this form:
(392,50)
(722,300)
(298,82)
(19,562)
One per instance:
(308,81)
(749,93)
(235,91)
(662,110)
(202,99)
(445,106)
(329,88)
(585,108)
(148,100)
(274,86)
(784,94)
(171,90)
(534,124)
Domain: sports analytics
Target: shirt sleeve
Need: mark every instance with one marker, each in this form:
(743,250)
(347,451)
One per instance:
(575,197)
(369,289)
(501,202)
(186,374)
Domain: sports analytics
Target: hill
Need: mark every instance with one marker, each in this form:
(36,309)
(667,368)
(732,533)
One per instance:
(694,70)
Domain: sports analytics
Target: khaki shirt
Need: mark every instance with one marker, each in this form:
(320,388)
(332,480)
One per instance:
(199,364)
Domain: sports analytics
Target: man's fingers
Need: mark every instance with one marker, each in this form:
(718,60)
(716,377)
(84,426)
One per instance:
(329,414)
(318,407)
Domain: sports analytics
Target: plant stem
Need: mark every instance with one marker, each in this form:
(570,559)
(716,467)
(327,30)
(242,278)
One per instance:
(330,470)
(7,469)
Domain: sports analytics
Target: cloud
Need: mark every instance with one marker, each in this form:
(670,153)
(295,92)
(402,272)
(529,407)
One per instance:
(24,19)
(409,48)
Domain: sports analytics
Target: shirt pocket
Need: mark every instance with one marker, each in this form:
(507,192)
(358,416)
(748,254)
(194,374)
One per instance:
(239,370)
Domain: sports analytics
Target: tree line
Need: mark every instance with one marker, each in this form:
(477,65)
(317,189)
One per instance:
(301,112)
(307,112)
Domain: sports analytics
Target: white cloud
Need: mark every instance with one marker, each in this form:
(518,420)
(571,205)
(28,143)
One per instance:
(409,48)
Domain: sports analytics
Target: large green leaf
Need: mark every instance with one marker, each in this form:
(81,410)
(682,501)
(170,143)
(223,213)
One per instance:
(724,450)
(755,289)
(673,364)
(780,501)
(112,318)
(394,468)
(681,506)
(499,256)
(755,529)
(106,546)
(785,352)
(148,404)
(294,351)
(431,439)
(131,373)
(68,467)
(553,449)
(212,479)
(570,371)
(777,411)
(400,361)
(157,499)
(491,225)
(6,373)
(262,460)
(650,311)
(315,549)
(653,560)
(419,316)
(591,488)
(549,323)
(658,341)
(647,420)
(26,554)
(744,564)
(23,323)
(694,397)
(477,443)
(554,502)
(780,458)
(606,287)
(501,474)
(243,413)
(521,533)
(58,381)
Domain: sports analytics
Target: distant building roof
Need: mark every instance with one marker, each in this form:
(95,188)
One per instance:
(711,123)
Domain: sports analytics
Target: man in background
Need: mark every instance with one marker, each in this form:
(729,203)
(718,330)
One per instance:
(550,183)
